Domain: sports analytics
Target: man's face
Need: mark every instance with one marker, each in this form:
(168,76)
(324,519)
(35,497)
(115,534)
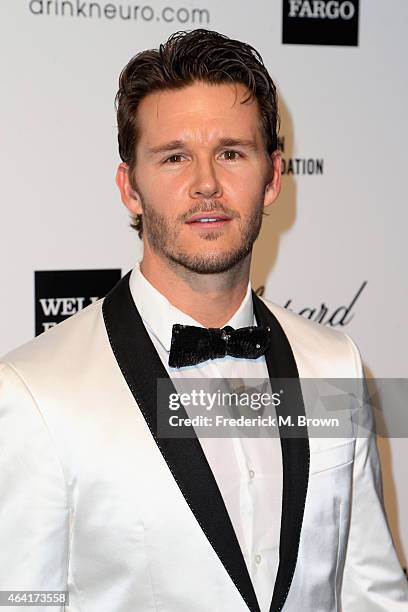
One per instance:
(201,152)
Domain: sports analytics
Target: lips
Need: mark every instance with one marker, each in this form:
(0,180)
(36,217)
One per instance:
(208,218)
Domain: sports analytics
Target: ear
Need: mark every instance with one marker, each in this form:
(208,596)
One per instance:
(130,197)
(273,188)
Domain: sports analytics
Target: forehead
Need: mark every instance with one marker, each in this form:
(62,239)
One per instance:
(200,112)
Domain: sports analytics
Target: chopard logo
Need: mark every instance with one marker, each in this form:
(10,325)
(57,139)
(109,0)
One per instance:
(338,316)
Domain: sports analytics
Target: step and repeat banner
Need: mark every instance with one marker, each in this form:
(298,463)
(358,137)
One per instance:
(333,247)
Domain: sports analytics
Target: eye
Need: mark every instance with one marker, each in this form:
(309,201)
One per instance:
(174,159)
(232,155)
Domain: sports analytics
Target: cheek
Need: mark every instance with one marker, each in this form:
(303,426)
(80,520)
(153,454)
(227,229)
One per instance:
(248,181)
(246,195)
(166,183)
(161,194)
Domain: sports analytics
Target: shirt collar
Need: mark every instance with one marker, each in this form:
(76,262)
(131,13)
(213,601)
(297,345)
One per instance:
(160,315)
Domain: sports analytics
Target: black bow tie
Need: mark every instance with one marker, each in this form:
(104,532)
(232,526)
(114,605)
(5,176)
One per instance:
(191,345)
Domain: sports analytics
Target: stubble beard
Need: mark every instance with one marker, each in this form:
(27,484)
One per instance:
(162,238)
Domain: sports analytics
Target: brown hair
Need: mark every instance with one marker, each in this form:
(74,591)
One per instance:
(186,57)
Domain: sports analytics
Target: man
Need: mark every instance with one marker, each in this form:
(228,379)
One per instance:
(94,501)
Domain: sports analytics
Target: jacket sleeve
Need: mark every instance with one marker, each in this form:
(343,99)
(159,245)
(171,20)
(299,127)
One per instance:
(373,580)
(34,511)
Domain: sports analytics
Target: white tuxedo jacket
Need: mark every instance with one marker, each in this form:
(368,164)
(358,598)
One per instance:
(92,501)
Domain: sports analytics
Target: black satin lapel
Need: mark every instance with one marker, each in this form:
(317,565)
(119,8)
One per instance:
(295,451)
(141,367)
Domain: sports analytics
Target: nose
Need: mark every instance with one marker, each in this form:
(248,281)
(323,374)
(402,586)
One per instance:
(205,182)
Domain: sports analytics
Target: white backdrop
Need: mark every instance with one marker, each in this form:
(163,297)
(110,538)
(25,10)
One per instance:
(329,232)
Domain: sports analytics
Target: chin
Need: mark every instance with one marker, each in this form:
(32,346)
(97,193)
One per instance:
(212,263)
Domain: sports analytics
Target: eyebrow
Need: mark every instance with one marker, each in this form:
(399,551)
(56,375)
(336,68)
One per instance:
(174,145)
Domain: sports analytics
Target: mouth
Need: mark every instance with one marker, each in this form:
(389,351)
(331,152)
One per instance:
(209,220)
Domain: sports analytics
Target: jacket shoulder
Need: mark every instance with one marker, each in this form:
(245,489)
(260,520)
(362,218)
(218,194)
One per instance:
(61,344)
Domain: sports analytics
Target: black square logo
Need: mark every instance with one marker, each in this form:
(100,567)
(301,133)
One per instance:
(320,22)
(62,293)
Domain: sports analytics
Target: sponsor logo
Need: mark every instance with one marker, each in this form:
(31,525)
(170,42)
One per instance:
(61,293)
(300,165)
(320,22)
(340,316)
(118,11)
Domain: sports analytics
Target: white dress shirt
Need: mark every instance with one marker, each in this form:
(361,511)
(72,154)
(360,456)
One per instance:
(248,471)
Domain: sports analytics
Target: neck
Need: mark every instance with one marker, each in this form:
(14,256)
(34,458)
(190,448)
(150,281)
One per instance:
(210,299)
